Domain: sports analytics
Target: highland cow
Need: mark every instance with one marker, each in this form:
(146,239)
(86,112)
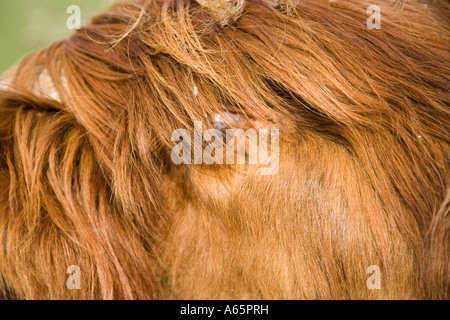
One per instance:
(87,178)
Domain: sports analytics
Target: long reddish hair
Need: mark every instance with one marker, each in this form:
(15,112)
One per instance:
(86,177)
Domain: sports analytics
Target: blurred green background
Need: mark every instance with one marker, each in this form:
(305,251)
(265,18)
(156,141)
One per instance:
(29,25)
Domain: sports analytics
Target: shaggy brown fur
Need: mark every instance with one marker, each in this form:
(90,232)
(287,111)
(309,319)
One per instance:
(86,177)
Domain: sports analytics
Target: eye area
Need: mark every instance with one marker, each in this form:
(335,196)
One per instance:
(228,120)
(4,84)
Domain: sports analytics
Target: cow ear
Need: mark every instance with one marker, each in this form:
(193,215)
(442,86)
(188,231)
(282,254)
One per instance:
(235,120)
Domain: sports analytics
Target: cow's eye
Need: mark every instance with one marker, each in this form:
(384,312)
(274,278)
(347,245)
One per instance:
(225,120)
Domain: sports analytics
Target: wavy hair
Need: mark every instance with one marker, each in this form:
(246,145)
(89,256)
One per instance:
(86,177)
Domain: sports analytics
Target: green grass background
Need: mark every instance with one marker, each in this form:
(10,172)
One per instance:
(29,25)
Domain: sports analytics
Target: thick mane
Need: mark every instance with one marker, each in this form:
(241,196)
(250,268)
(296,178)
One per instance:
(86,176)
